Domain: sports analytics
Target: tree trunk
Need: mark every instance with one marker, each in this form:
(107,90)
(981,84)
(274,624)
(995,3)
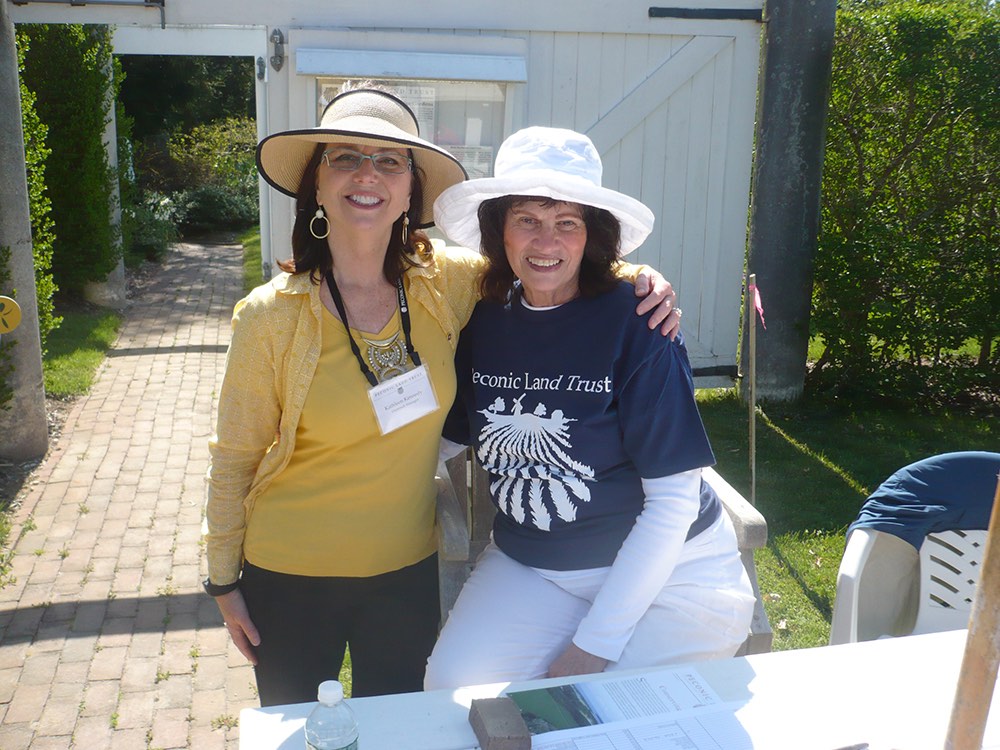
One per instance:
(784,214)
(23,425)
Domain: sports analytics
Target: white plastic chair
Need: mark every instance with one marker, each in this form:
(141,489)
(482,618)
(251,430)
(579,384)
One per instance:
(949,570)
(886,588)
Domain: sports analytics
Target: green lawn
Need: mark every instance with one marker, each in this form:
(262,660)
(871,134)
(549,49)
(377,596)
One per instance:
(815,467)
(251,259)
(76,349)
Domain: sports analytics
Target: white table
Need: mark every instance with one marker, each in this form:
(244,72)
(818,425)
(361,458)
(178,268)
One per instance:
(895,694)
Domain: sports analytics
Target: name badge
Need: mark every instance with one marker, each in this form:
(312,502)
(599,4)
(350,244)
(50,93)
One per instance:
(403,399)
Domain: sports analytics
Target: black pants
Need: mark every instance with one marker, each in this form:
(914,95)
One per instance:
(390,621)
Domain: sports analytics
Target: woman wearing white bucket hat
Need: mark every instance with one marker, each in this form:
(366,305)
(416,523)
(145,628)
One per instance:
(608,549)
(321,492)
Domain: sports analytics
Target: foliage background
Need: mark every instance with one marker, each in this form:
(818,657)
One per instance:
(907,284)
(66,68)
(907,290)
(193,141)
(220,186)
(36,152)
(42,237)
(170,93)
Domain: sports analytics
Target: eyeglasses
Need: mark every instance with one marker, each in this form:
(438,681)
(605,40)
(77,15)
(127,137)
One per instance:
(386,162)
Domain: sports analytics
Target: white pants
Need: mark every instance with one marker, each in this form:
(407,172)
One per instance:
(511,621)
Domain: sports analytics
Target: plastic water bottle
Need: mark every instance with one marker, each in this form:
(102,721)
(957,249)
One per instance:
(331,725)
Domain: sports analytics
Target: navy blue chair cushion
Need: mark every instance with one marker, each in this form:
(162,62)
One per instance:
(947,491)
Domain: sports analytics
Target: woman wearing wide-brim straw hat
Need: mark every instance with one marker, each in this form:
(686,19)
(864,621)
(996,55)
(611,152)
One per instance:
(338,378)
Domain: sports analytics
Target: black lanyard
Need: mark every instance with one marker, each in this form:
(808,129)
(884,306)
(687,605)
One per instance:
(404,317)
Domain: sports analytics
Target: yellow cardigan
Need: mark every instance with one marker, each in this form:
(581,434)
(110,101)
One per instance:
(273,355)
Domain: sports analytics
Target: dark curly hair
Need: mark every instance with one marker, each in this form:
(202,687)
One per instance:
(599,253)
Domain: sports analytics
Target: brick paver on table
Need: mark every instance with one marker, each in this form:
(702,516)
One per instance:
(106,638)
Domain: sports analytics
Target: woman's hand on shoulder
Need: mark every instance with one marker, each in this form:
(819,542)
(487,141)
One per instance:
(574,660)
(658,295)
(238,623)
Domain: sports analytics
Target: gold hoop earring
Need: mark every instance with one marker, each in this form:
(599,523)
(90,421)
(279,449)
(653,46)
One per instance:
(319,215)
(405,234)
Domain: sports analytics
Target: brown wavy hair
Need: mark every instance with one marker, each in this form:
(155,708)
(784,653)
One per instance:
(599,253)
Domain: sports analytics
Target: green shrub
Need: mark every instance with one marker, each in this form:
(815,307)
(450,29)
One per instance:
(36,152)
(212,207)
(906,271)
(218,153)
(221,176)
(207,169)
(169,93)
(67,68)
(39,211)
(155,169)
(152,228)
(148,222)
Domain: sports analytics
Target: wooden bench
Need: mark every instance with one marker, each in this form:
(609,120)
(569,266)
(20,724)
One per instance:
(465,519)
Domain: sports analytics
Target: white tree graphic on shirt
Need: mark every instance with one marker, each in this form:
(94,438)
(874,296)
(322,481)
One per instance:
(536,477)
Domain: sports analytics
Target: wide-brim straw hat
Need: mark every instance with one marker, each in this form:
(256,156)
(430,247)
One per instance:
(548,163)
(365,117)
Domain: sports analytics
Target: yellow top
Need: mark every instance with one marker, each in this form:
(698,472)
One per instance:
(351,501)
(272,360)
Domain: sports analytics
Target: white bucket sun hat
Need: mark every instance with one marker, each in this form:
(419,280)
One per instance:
(367,117)
(549,163)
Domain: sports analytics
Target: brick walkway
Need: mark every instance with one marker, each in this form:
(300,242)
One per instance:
(106,639)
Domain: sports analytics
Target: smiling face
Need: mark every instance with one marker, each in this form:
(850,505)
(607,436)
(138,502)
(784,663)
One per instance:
(363,200)
(544,242)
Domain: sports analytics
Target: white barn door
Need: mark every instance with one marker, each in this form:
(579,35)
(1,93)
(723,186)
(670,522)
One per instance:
(673,119)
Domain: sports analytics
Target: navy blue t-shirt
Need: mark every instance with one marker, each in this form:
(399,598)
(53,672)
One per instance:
(568,409)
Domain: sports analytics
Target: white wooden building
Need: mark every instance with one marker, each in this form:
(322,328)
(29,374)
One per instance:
(668,95)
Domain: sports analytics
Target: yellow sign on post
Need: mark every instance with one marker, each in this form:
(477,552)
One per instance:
(10,315)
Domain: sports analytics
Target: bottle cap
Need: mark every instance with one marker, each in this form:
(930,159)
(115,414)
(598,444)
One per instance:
(330,692)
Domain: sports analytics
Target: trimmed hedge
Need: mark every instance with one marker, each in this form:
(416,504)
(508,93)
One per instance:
(36,153)
(907,283)
(67,66)
(39,210)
